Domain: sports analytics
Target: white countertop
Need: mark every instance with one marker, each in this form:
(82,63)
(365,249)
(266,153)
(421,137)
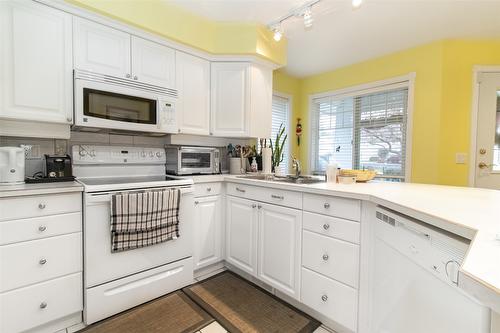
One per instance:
(472,213)
(36,189)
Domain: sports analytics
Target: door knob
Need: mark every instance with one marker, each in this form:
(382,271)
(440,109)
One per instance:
(483,165)
(482,151)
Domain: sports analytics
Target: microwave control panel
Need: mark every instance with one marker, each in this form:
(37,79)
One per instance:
(168,119)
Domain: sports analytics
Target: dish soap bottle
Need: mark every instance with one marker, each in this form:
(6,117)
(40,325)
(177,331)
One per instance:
(254,166)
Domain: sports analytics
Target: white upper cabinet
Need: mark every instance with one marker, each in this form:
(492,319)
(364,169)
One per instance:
(35,63)
(230,99)
(153,63)
(241,100)
(193,83)
(100,49)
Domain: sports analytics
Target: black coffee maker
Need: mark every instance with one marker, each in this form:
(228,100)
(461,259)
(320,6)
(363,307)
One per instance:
(58,166)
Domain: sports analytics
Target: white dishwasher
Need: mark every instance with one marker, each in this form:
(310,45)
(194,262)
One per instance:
(414,278)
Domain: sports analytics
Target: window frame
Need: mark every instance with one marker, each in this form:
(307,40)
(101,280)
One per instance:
(404,81)
(291,133)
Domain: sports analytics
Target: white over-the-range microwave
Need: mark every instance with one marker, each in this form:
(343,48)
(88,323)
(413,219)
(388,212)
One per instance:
(104,102)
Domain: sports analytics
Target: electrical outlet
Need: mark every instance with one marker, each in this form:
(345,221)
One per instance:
(460,158)
(31,152)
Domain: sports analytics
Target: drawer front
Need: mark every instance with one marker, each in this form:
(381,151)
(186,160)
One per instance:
(111,298)
(39,205)
(332,226)
(39,260)
(206,189)
(29,307)
(331,298)
(39,227)
(334,206)
(334,258)
(268,195)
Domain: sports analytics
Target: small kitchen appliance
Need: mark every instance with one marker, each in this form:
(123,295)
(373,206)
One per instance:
(11,165)
(192,160)
(58,166)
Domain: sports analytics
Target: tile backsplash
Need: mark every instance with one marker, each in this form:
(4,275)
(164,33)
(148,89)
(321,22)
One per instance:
(37,147)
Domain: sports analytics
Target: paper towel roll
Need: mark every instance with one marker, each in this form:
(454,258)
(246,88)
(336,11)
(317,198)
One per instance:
(331,173)
(266,160)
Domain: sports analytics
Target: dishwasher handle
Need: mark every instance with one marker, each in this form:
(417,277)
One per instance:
(413,230)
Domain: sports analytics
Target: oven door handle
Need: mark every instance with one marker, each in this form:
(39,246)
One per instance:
(96,198)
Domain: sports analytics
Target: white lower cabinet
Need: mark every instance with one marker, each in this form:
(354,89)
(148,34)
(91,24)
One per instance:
(279,247)
(264,241)
(208,231)
(241,234)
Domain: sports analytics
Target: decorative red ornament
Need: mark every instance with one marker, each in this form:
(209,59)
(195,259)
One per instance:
(298,131)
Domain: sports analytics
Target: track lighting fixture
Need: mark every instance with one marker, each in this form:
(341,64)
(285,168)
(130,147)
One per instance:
(278,32)
(308,20)
(356,3)
(304,12)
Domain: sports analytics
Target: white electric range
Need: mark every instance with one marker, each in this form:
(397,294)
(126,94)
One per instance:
(115,282)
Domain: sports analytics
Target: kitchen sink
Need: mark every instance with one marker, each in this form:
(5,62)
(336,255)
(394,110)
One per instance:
(285,179)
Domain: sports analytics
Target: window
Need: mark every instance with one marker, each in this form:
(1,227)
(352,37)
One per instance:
(362,130)
(281,115)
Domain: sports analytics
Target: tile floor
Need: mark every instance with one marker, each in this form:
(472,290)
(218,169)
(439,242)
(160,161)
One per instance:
(215,327)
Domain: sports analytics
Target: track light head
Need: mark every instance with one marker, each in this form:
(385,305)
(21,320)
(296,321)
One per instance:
(308,19)
(278,32)
(356,3)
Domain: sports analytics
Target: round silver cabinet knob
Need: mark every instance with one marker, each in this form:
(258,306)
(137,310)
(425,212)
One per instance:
(43,305)
(324,298)
(209,189)
(42,261)
(128,76)
(69,119)
(254,205)
(259,206)
(326,226)
(325,257)
(326,205)
(135,77)
(196,202)
(42,228)
(41,205)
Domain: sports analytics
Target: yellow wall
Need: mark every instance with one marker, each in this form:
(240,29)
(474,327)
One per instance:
(442,101)
(167,20)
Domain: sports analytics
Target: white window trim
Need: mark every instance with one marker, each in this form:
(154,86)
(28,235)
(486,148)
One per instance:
(368,88)
(291,132)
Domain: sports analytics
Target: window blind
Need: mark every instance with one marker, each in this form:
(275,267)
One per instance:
(281,115)
(362,131)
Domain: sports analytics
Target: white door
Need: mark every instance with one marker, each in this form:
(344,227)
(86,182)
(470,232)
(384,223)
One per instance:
(35,63)
(193,83)
(230,99)
(153,63)
(279,247)
(241,234)
(207,226)
(487,152)
(101,49)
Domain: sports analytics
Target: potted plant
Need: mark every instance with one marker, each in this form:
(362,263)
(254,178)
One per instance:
(277,149)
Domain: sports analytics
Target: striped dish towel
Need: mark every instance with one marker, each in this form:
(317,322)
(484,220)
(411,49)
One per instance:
(144,218)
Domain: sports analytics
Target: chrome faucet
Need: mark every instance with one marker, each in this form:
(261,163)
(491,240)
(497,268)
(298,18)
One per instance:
(296,167)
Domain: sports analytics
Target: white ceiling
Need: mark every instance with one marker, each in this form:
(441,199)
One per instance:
(341,36)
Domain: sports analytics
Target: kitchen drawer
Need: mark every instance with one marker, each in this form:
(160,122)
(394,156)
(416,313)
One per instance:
(334,206)
(331,226)
(39,260)
(29,307)
(331,298)
(116,296)
(14,231)
(206,189)
(266,194)
(334,258)
(39,205)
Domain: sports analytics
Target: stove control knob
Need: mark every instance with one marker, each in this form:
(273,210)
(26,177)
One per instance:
(159,154)
(143,153)
(151,154)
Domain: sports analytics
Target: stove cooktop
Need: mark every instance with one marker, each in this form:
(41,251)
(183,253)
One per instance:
(93,184)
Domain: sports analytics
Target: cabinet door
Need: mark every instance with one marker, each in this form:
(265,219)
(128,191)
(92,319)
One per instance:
(207,231)
(153,63)
(35,63)
(230,99)
(279,247)
(193,83)
(241,234)
(101,49)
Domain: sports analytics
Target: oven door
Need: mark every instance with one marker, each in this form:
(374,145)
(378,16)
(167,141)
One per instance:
(195,161)
(102,266)
(102,105)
